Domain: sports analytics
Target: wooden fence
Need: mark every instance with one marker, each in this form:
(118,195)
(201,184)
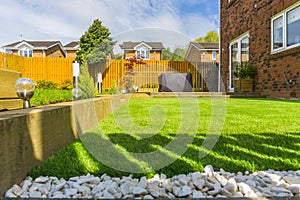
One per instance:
(204,75)
(52,69)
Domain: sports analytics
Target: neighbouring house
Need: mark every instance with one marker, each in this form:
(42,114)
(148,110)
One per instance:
(202,52)
(36,49)
(144,50)
(71,49)
(267,34)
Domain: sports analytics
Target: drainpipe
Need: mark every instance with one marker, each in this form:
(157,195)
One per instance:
(219,70)
(43,52)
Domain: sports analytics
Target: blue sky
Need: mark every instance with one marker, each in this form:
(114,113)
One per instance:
(174,22)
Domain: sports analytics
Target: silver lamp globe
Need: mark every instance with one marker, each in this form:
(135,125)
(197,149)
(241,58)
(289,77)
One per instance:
(76,93)
(25,90)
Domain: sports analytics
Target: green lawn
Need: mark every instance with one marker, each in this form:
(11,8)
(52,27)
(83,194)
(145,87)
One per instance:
(257,134)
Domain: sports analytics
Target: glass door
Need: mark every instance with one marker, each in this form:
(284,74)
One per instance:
(239,53)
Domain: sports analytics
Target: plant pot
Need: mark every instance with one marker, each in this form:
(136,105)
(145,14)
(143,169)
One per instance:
(244,85)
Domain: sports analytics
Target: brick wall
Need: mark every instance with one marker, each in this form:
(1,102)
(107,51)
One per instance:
(71,53)
(55,52)
(254,17)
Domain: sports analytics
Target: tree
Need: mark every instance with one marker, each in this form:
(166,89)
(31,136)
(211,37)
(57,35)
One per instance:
(86,83)
(166,54)
(95,44)
(118,56)
(178,54)
(210,37)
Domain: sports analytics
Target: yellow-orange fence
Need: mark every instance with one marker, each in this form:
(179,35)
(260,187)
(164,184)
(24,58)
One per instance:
(146,74)
(51,69)
(113,72)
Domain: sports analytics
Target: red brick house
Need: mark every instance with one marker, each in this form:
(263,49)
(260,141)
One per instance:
(146,50)
(265,33)
(71,49)
(202,52)
(26,48)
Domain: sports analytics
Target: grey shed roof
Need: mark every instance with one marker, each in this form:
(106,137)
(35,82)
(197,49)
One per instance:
(131,45)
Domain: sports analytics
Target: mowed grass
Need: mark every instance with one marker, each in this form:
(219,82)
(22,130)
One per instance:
(256,134)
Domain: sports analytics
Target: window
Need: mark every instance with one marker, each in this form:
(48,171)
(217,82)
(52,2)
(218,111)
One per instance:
(286,29)
(214,55)
(293,26)
(143,54)
(278,33)
(25,52)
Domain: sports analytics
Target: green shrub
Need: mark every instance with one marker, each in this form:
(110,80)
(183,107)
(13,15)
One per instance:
(66,85)
(44,84)
(114,89)
(48,96)
(244,70)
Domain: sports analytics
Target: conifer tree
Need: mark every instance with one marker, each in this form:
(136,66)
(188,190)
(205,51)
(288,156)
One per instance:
(95,44)
(86,83)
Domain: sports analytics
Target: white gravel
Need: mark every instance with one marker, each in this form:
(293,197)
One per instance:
(208,184)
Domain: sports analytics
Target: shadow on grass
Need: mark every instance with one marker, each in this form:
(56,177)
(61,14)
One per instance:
(232,152)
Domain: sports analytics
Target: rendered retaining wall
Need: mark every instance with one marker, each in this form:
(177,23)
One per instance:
(8,96)
(30,136)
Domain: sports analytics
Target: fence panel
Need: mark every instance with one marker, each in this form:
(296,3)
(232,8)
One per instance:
(209,76)
(52,69)
(204,75)
(146,75)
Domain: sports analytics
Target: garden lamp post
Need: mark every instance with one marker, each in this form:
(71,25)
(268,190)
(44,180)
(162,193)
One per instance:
(99,81)
(25,90)
(76,72)
(76,92)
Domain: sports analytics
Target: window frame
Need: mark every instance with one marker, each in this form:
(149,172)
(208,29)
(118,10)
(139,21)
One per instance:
(283,14)
(214,55)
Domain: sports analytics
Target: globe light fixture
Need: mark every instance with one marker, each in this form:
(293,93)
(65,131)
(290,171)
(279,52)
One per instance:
(76,93)
(25,90)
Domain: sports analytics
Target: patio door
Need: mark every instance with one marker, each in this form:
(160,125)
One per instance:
(239,53)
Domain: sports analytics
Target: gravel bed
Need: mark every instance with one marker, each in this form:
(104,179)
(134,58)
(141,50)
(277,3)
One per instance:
(208,184)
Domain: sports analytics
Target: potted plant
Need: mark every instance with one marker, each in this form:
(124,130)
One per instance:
(244,74)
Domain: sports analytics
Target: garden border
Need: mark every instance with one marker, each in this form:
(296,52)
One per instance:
(30,136)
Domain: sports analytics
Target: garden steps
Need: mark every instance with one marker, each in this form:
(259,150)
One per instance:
(199,95)
(246,95)
(186,94)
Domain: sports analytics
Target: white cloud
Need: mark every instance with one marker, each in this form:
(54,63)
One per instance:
(67,20)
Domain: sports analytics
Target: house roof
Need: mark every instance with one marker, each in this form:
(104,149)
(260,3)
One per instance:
(202,46)
(206,45)
(133,45)
(33,44)
(73,44)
